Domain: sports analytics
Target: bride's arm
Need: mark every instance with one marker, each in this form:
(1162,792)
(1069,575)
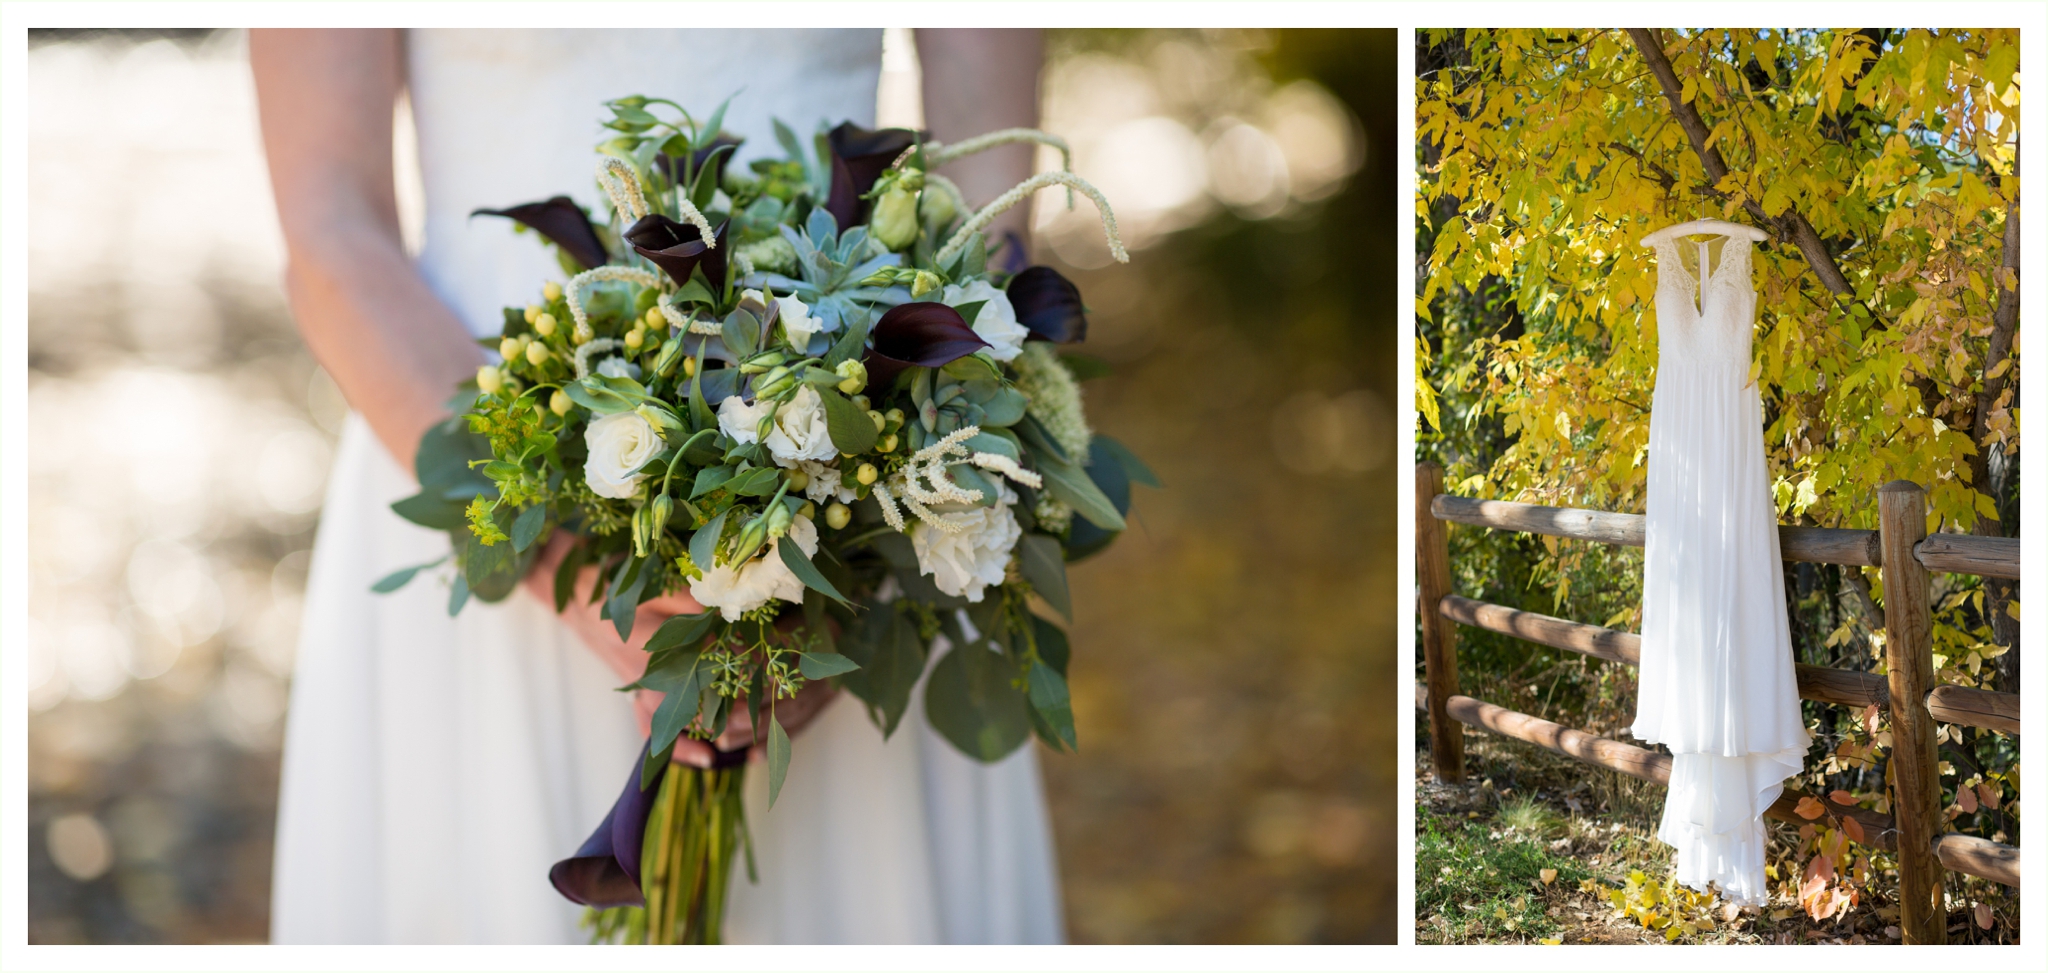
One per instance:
(978,81)
(325,98)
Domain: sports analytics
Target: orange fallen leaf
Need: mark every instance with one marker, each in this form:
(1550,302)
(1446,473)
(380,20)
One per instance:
(1966,798)
(1983,916)
(1987,795)
(1842,797)
(1549,875)
(1854,829)
(1809,808)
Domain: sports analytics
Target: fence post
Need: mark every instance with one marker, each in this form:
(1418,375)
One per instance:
(1439,635)
(1909,664)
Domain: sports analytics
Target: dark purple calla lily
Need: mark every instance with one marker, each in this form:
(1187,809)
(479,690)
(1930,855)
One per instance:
(1049,305)
(677,248)
(922,333)
(859,157)
(670,167)
(561,221)
(605,872)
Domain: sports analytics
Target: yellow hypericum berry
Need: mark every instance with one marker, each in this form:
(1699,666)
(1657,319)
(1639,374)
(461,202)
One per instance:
(536,353)
(552,291)
(798,479)
(888,443)
(511,348)
(894,415)
(654,317)
(544,325)
(635,338)
(809,511)
(559,403)
(878,419)
(837,515)
(689,367)
(488,379)
(533,312)
(861,402)
(867,474)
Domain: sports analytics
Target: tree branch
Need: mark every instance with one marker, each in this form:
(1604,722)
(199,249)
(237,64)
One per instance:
(2004,321)
(1790,226)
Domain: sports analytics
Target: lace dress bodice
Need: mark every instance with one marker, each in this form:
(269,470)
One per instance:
(1704,320)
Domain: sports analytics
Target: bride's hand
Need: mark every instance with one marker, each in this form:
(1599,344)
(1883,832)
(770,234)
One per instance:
(628,659)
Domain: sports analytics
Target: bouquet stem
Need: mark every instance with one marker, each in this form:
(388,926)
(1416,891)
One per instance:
(695,827)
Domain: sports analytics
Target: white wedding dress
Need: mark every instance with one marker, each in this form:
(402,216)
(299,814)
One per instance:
(1717,679)
(435,768)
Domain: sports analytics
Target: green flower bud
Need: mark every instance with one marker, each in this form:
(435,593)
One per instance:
(837,516)
(778,520)
(895,221)
(762,362)
(778,380)
(855,375)
(924,282)
(937,208)
(773,255)
(750,540)
(658,514)
(671,355)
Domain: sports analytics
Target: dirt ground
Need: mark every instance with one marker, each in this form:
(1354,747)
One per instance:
(1532,847)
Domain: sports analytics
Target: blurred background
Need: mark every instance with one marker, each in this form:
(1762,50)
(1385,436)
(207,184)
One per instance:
(1234,655)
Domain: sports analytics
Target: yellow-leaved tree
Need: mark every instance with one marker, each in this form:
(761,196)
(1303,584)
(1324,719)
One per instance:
(1882,164)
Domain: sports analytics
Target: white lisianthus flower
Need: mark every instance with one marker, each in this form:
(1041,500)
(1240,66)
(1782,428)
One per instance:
(801,431)
(965,562)
(741,421)
(619,445)
(997,321)
(798,323)
(618,368)
(826,483)
(736,590)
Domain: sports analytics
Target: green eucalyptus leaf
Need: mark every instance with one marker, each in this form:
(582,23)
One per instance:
(693,291)
(526,529)
(1071,485)
(565,577)
(760,482)
(850,344)
(656,764)
(681,630)
(851,429)
(431,510)
(969,699)
(596,398)
(793,558)
(824,665)
(968,310)
(400,578)
(1084,367)
(891,654)
(1049,698)
(1045,566)
(710,478)
(1133,467)
(778,758)
(1052,644)
(458,595)
(704,543)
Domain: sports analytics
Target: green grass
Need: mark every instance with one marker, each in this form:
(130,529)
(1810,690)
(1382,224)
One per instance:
(1482,881)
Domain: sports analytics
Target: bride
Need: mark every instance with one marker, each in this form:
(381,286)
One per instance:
(434,767)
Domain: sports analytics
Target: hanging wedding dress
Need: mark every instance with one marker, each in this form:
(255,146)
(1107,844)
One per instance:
(434,767)
(1717,682)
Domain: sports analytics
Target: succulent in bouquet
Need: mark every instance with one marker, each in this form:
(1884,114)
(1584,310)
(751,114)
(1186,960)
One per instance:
(804,391)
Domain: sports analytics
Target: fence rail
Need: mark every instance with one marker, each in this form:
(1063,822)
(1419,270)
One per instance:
(1907,692)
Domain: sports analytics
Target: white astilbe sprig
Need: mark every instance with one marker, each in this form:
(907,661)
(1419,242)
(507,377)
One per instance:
(936,155)
(1023,191)
(573,294)
(598,347)
(1007,467)
(923,480)
(623,187)
(690,323)
(890,514)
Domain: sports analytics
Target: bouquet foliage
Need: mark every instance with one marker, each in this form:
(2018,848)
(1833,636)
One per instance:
(807,392)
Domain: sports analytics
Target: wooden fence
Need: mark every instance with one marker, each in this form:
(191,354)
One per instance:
(1901,548)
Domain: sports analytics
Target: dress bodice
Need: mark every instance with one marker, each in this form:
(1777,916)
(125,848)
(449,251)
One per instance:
(1704,315)
(512,116)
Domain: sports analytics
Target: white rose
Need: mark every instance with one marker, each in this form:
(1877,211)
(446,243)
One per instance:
(734,591)
(798,323)
(618,368)
(997,321)
(619,445)
(741,421)
(826,483)
(965,562)
(801,431)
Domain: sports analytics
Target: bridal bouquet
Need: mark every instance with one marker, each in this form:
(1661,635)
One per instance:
(805,392)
